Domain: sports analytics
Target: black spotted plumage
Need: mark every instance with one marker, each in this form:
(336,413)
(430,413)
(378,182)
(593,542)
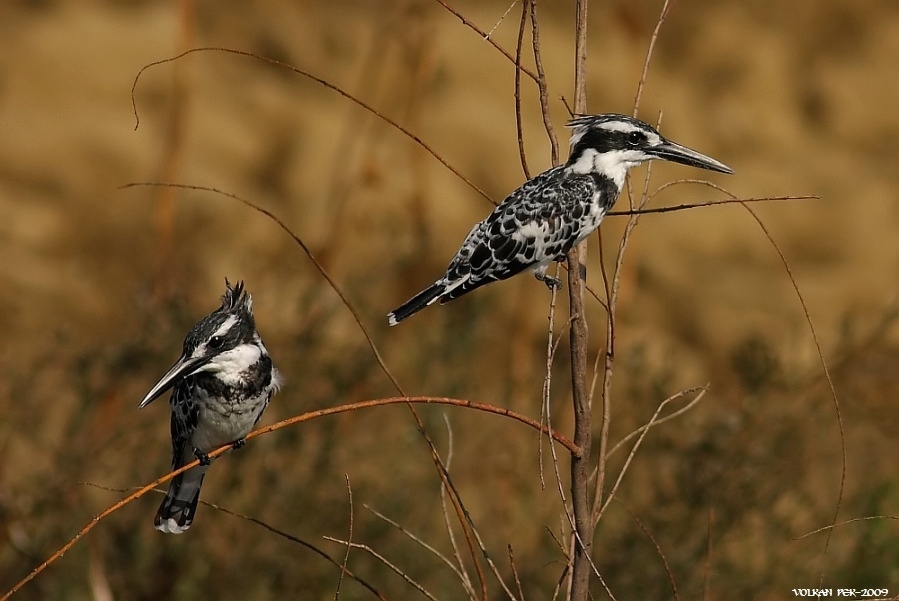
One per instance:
(554,205)
(543,219)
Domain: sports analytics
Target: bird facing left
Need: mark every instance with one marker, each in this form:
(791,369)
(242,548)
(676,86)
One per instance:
(221,384)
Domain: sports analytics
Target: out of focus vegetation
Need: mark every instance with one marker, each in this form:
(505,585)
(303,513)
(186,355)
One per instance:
(99,286)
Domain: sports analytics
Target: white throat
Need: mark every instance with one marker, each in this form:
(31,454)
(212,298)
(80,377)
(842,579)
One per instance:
(613,164)
(231,364)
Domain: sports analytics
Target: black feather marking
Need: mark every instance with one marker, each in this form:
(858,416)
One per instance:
(416,303)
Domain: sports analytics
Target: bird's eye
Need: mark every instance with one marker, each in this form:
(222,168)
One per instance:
(635,138)
(215,342)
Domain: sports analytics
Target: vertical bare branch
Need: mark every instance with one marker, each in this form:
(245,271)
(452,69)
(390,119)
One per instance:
(518,127)
(547,382)
(580,465)
(541,85)
(666,8)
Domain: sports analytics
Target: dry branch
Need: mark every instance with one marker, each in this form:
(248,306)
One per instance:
(581,559)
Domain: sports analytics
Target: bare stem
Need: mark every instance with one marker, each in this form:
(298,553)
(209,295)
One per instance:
(580,392)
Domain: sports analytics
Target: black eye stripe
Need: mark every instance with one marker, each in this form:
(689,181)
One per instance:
(604,140)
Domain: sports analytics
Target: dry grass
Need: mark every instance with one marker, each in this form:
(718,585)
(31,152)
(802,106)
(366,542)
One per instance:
(798,100)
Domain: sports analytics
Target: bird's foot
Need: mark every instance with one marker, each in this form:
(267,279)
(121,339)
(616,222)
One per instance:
(239,443)
(551,282)
(203,457)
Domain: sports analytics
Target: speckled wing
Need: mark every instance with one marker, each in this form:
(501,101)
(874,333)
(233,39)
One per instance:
(536,224)
(185,415)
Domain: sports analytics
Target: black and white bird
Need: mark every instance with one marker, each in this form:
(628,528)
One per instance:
(221,385)
(543,219)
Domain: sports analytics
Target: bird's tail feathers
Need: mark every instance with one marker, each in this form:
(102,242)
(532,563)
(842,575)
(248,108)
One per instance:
(416,303)
(176,513)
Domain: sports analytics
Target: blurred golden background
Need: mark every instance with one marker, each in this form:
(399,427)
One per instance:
(100,285)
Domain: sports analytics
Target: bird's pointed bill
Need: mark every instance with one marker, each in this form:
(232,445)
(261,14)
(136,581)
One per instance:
(676,153)
(183,367)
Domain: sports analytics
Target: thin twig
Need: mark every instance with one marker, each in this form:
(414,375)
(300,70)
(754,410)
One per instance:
(630,457)
(847,522)
(649,52)
(655,543)
(711,203)
(518,125)
(547,381)
(418,540)
(466,579)
(542,87)
(659,422)
(560,581)
(297,540)
(386,562)
(830,384)
(493,568)
(515,573)
(496,25)
(346,556)
(485,35)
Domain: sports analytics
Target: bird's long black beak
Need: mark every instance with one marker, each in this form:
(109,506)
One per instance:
(676,153)
(180,369)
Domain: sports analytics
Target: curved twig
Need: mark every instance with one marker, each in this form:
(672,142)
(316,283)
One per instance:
(846,523)
(318,80)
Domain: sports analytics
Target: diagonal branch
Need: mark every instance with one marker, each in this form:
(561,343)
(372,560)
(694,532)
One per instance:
(711,203)
(486,37)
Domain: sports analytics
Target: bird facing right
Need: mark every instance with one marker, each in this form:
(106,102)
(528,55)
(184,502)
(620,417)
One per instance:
(543,219)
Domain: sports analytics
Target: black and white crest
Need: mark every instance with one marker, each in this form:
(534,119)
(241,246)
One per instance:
(226,327)
(543,219)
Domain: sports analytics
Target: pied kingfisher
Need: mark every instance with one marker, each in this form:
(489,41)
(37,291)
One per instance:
(543,219)
(222,384)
